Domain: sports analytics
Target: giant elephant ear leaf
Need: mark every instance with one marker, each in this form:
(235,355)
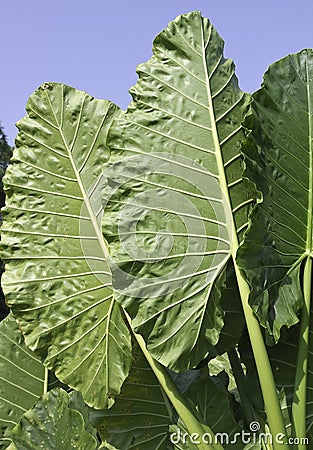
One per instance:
(176,205)
(57,281)
(279,160)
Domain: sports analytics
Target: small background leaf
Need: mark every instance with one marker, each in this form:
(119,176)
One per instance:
(141,414)
(53,424)
(283,358)
(213,402)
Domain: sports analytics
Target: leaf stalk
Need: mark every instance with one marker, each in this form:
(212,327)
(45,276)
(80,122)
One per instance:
(300,387)
(267,382)
(183,409)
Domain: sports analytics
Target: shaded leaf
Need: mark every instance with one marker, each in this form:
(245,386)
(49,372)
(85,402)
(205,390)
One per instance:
(233,315)
(250,381)
(141,414)
(279,161)
(283,358)
(213,404)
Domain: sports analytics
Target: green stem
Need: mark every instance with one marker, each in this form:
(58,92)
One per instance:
(46,381)
(183,409)
(249,414)
(267,382)
(300,389)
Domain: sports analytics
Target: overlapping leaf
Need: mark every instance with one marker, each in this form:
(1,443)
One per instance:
(57,280)
(22,378)
(284,362)
(175,197)
(279,157)
(141,415)
(213,405)
(57,421)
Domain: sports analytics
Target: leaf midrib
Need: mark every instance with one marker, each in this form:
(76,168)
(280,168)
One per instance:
(310,200)
(233,242)
(97,230)
(78,177)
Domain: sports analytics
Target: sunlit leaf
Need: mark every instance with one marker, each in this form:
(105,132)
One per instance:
(57,281)
(175,202)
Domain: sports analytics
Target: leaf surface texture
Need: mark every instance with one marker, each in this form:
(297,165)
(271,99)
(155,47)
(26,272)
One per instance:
(279,160)
(57,280)
(175,194)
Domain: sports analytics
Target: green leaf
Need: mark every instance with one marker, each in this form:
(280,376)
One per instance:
(279,161)
(213,404)
(175,202)
(22,378)
(76,401)
(221,364)
(54,424)
(57,280)
(283,358)
(141,415)
(251,382)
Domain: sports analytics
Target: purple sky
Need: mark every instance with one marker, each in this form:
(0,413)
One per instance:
(95,45)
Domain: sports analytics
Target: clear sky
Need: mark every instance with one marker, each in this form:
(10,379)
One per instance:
(95,45)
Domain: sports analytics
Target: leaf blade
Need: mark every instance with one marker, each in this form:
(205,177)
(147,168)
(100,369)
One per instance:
(56,421)
(55,255)
(142,413)
(281,231)
(22,378)
(164,198)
